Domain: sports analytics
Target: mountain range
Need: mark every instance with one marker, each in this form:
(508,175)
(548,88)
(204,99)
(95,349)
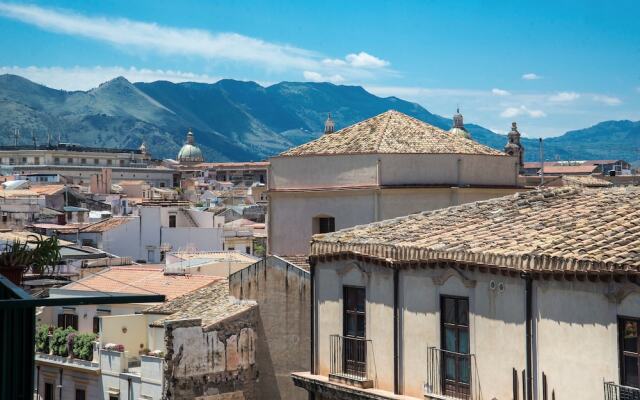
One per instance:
(241,121)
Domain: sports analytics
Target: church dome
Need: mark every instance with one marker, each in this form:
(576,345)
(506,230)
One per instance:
(190,153)
(458,128)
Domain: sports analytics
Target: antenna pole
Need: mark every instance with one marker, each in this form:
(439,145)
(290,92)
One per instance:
(541,163)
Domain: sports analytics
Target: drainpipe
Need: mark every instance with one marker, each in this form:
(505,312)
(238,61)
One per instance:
(396,328)
(129,388)
(38,382)
(529,332)
(312,269)
(60,391)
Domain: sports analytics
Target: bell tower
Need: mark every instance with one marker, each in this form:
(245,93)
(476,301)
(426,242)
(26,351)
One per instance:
(514,148)
(329,125)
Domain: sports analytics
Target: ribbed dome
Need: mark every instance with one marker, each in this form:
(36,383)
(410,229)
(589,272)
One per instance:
(460,132)
(190,152)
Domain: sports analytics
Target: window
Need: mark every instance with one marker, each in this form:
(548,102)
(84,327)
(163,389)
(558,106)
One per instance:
(69,160)
(112,397)
(150,256)
(96,161)
(88,242)
(122,163)
(247,249)
(96,324)
(56,160)
(324,224)
(354,329)
(24,160)
(456,363)
(108,162)
(48,391)
(172,221)
(11,161)
(629,352)
(36,160)
(83,161)
(66,320)
(81,394)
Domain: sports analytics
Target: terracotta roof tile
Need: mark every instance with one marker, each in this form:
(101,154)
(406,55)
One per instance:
(211,304)
(142,280)
(107,224)
(391,132)
(585,181)
(565,228)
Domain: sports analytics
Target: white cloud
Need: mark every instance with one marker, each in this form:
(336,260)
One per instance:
(563,97)
(360,60)
(608,100)
(365,60)
(511,112)
(144,37)
(84,78)
(318,77)
(500,92)
(531,76)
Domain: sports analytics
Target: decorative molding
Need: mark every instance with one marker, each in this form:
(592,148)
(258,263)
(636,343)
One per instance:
(448,273)
(350,266)
(617,296)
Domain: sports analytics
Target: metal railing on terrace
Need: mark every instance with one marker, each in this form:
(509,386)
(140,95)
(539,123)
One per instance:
(613,391)
(349,358)
(451,375)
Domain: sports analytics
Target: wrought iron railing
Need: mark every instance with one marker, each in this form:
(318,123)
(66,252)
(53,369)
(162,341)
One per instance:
(451,375)
(349,357)
(613,391)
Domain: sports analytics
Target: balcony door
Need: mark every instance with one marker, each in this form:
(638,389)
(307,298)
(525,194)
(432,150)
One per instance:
(354,327)
(455,359)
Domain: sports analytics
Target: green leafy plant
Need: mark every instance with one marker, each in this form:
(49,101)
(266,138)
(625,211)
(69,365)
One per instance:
(83,346)
(42,339)
(59,341)
(41,258)
(46,254)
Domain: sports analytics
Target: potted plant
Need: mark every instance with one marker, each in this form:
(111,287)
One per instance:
(17,257)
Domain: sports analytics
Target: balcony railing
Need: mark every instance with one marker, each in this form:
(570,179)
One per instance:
(620,392)
(349,360)
(450,375)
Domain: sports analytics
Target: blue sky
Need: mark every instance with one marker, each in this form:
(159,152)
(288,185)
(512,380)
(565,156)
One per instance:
(552,66)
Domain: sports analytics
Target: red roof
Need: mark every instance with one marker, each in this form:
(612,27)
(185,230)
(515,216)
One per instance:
(142,280)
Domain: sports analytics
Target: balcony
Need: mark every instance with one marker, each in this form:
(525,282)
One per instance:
(450,375)
(620,392)
(348,361)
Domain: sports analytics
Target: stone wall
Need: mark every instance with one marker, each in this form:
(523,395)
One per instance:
(212,362)
(283,294)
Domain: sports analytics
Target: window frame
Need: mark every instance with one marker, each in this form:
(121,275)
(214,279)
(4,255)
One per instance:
(622,353)
(455,386)
(64,318)
(346,313)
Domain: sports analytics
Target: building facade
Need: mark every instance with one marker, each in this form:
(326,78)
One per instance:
(492,300)
(387,166)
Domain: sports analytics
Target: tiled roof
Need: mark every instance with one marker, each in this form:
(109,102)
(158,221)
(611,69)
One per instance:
(234,256)
(563,229)
(107,224)
(47,190)
(391,132)
(585,181)
(211,304)
(141,280)
(300,261)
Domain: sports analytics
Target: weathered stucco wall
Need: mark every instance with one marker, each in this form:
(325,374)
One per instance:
(291,213)
(282,292)
(575,326)
(211,361)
